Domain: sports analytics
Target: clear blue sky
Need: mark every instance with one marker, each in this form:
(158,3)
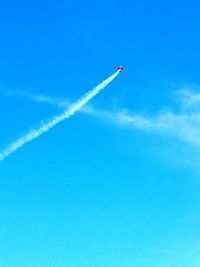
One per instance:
(118,186)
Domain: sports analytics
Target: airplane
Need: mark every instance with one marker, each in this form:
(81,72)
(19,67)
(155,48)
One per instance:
(120,68)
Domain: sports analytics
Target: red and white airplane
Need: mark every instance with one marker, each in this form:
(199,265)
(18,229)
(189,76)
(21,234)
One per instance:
(120,68)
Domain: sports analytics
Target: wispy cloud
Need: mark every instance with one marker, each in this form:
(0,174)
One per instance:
(39,98)
(183,124)
(186,127)
(189,99)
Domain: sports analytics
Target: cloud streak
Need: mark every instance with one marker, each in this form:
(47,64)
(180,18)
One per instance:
(183,125)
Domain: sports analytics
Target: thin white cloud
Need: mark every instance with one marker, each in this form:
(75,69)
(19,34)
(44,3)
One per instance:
(183,125)
(39,98)
(188,99)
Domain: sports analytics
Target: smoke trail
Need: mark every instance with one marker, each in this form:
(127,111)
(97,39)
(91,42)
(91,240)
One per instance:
(57,119)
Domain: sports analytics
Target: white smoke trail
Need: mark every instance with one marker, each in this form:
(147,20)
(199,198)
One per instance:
(57,119)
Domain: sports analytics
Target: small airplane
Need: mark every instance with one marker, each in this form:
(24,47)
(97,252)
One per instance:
(120,68)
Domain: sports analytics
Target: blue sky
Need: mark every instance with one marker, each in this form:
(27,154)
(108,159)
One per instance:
(117,184)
